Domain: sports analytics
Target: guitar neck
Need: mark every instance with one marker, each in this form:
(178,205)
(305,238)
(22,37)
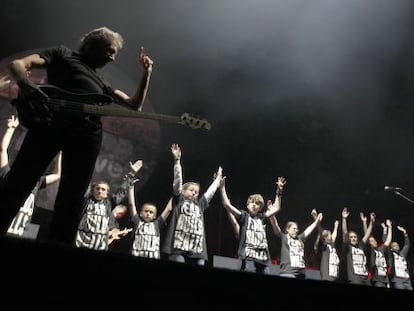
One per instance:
(61,101)
(116,111)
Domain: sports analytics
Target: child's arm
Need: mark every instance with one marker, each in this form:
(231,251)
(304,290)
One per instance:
(57,170)
(12,123)
(384,232)
(314,215)
(234,224)
(335,230)
(316,243)
(135,167)
(364,221)
(275,207)
(388,239)
(178,175)
(275,225)
(309,229)
(214,185)
(407,244)
(225,199)
(345,214)
(167,210)
(128,181)
(369,228)
(131,201)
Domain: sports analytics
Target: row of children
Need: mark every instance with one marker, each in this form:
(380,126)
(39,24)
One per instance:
(185,236)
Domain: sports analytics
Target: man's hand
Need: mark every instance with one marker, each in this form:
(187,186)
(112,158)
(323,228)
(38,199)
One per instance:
(145,61)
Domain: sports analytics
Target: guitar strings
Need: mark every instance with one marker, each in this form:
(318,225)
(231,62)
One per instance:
(109,109)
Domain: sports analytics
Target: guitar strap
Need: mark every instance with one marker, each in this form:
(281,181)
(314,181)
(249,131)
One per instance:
(105,86)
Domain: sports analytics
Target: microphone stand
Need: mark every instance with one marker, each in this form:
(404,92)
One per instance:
(397,192)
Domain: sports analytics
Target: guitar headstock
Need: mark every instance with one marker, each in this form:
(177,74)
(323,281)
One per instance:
(195,122)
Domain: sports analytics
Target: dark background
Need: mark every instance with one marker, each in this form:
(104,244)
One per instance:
(319,92)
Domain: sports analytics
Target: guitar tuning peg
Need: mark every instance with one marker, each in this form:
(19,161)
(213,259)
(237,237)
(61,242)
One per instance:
(194,122)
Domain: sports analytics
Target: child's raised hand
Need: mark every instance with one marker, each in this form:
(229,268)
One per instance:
(12,122)
(345,212)
(281,181)
(222,182)
(176,151)
(135,167)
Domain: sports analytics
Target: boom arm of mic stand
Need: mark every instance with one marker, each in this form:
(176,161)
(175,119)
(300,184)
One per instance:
(404,196)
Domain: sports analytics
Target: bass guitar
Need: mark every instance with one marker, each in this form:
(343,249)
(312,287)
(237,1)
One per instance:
(66,106)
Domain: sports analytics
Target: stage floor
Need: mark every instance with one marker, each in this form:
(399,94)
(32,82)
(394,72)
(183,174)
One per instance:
(49,272)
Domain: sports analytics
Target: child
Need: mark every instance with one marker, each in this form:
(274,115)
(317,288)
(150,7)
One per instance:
(253,247)
(400,274)
(185,239)
(354,251)
(23,217)
(98,223)
(292,250)
(146,225)
(377,255)
(325,244)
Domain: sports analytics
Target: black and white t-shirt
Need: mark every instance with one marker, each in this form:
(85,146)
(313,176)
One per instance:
(25,213)
(292,260)
(378,264)
(146,237)
(97,218)
(185,234)
(398,263)
(253,243)
(94,226)
(356,261)
(329,268)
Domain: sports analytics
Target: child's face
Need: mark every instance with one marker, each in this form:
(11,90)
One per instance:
(100,191)
(372,242)
(353,239)
(395,246)
(254,207)
(327,235)
(292,231)
(148,213)
(190,193)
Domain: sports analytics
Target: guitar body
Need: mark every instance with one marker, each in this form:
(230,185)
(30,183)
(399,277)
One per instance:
(64,107)
(116,234)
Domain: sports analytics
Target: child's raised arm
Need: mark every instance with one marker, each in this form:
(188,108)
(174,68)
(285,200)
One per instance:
(214,185)
(178,175)
(167,210)
(225,199)
(277,204)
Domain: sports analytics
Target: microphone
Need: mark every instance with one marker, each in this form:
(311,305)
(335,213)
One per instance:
(388,188)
